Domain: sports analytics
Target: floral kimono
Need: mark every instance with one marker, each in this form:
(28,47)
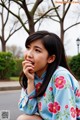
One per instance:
(61,100)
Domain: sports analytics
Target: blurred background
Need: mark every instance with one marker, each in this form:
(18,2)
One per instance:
(18,19)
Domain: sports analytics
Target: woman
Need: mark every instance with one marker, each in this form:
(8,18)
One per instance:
(49,90)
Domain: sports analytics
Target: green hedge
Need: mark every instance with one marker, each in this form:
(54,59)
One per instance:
(74,64)
(18,67)
(13,67)
(7,65)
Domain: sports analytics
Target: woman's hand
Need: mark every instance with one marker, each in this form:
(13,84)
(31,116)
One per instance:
(28,69)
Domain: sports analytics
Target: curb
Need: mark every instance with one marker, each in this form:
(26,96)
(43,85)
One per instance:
(10,88)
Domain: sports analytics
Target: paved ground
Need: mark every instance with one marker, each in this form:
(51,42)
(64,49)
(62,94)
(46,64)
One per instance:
(9,85)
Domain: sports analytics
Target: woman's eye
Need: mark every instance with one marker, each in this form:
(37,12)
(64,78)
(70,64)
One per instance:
(28,47)
(37,50)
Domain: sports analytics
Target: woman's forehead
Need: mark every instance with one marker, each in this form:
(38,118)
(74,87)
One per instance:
(38,42)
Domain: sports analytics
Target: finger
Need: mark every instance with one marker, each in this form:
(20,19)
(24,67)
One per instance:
(28,70)
(27,64)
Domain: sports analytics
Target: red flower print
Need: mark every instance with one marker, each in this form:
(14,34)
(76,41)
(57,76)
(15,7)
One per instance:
(73,112)
(78,93)
(38,86)
(66,106)
(54,107)
(78,112)
(40,106)
(60,82)
(50,88)
(44,94)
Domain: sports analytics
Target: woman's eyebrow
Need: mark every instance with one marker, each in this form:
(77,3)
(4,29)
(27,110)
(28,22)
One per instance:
(38,47)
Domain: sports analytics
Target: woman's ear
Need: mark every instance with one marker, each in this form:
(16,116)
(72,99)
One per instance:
(51,58)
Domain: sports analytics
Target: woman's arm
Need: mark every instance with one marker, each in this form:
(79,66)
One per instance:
(28,103)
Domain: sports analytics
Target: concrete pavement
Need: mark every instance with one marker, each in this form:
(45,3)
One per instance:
(9,85)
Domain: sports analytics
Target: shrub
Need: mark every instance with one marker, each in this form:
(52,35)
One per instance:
(68,58)
(75,65)
(18,67)
(7,65)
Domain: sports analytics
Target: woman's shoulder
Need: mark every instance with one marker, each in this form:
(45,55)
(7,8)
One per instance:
(63,73)
(60,70)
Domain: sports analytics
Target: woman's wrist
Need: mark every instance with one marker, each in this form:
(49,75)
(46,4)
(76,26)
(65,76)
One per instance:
(29,81)
(30,86)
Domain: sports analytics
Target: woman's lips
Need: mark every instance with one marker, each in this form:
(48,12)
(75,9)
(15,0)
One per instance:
(31,62)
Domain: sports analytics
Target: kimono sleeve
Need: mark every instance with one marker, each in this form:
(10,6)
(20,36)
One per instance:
(66,105)
(28,103)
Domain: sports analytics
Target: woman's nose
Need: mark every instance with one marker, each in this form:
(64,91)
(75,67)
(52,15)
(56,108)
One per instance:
(28,54)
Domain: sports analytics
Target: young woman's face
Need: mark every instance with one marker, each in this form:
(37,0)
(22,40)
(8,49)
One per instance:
(38,56)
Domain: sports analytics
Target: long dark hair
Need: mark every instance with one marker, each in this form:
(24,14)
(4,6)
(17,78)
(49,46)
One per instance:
(54,46)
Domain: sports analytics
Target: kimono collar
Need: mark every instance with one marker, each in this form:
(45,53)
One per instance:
(42,76)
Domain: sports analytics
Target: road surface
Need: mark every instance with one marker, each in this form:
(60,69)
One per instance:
(9,102)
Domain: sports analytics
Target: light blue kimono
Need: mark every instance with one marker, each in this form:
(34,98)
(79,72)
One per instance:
(61,100)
